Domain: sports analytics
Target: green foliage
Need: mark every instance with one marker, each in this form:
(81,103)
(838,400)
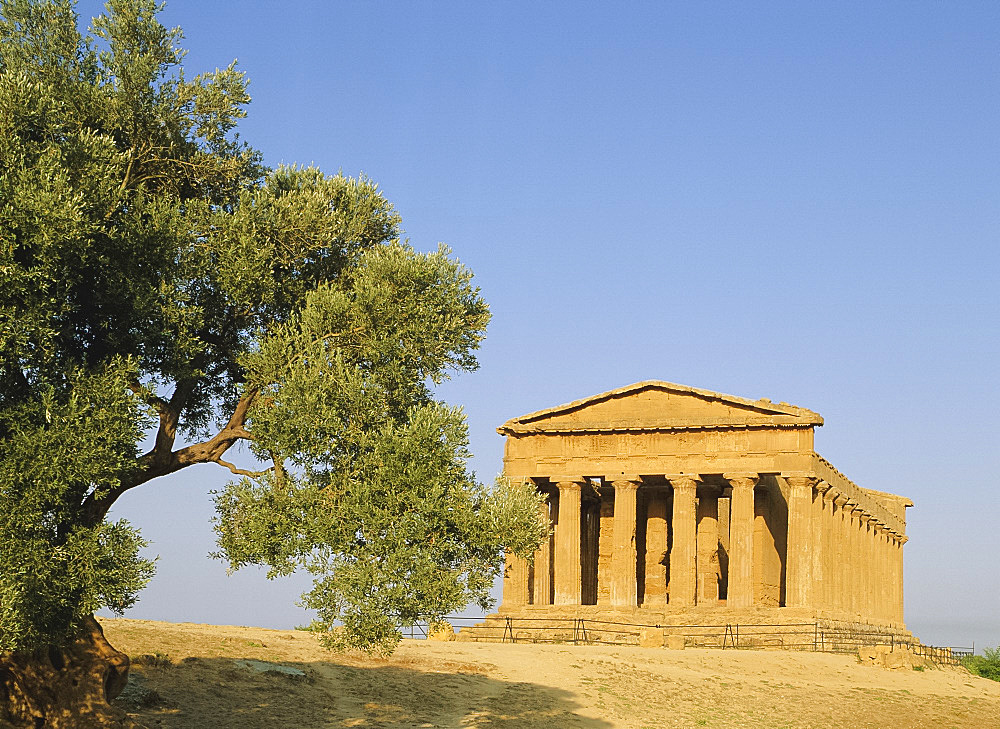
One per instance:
(55,570)
(986,665)
(154,274)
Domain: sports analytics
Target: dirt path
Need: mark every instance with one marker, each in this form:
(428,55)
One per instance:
(427,684)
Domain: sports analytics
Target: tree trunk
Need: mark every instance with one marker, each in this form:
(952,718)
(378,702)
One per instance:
(66,686)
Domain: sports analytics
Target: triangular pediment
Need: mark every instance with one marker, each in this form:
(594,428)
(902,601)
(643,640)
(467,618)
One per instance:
(655,405)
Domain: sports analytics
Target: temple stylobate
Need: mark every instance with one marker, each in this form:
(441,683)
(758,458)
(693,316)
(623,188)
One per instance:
(667,499)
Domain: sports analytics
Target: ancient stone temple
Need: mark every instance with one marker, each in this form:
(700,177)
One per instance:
(670,500)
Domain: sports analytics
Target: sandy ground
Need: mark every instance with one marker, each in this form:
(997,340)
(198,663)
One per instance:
(189,678)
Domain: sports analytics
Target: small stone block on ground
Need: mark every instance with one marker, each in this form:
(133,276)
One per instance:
(651,638)
(442,631)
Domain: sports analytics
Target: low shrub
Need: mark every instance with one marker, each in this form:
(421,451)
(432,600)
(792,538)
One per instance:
(986,665)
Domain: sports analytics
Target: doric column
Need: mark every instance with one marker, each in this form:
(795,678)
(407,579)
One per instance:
(605,547)
(655,592)
(623,559)
(870,585)
(798,565)
(820,509)
(707,564)
(898,564)
(840,567)
(543,563)
(568,580)
(741,540)
(515,582)
(852,511)
(683,551)
(516,576)
(882,578)
(830,563)
(890,597)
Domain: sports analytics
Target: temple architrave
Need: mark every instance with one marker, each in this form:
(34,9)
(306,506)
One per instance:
(668,500)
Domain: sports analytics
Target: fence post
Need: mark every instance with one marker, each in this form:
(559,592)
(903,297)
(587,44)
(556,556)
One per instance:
(508,630)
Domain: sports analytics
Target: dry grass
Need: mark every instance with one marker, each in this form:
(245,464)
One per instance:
(188,678)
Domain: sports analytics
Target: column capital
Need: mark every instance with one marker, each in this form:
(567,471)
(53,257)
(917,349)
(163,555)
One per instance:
(742,480)
(685,481)
(520,479)
(567,480)
(821,486)
(626,484)
(612,477)
(840,499)
(800,479)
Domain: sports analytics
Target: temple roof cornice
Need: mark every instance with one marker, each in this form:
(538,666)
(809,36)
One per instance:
(676,407)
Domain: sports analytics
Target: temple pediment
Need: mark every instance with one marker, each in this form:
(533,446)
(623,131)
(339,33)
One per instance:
(655,405)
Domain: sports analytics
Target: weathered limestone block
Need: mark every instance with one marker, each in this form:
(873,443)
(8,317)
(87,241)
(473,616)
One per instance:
(898,657)
(675,642)
(651,637)
(442,631)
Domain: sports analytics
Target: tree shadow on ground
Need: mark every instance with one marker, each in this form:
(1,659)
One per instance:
(215,693)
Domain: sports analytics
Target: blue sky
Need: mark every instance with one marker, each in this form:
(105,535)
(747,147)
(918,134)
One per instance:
(797,201)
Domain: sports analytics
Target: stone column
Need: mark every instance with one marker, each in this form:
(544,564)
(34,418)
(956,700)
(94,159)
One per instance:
(882,581)
(891,574)
(684,549)
(723,507)
(568,579)
(623,559)
(840,566)
(819,517)
(852,512)
(589,547)
(798,565)
(655,592)
(605,547)
(515,582)
(862,563)
(741,540)
(870,586)
(543,563)
(707,564)
(899,577)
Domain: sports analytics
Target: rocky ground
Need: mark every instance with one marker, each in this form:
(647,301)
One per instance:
(189,676)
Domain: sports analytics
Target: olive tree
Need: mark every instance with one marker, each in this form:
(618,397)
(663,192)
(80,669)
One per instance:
(157,278)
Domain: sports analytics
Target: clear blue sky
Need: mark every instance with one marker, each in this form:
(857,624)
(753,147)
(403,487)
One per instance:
(797,201)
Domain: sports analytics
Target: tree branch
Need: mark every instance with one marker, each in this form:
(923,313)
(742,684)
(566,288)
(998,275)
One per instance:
(241,471)
(170,415)
(157,462)
(149,397)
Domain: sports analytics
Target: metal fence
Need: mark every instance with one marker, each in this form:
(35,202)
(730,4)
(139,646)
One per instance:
(816,636)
